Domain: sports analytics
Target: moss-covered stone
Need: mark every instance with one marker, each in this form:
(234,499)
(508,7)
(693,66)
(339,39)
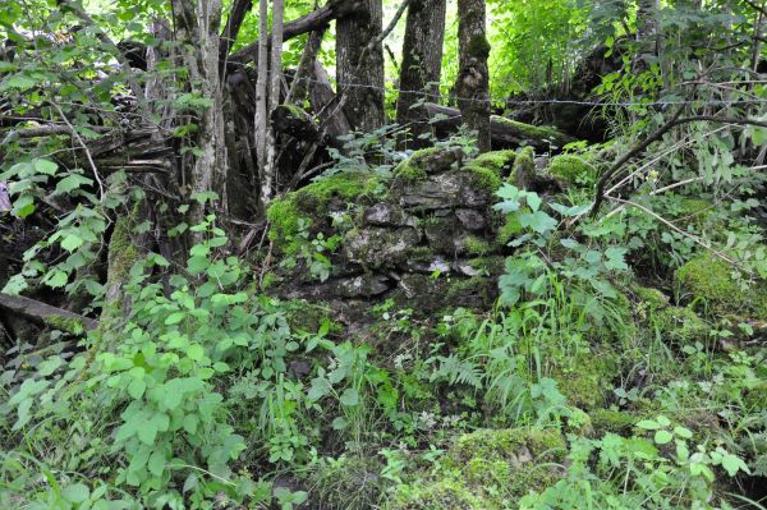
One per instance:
(71,325)
(474,245)
(474,292)
(707,281)
(588,382)
(610,420)
(482,179)
(488,469)
(310,205)
(674,324)
(572,169)
(427,161)
(531,132)
(500,162)
(303,316)
(509,230)
(523,171)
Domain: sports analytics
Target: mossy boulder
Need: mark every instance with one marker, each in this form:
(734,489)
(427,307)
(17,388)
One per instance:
(499,162)
(709,283)
(572,170)
(523,171)
(587,380)
(674,324)
(310,206)
(611,420)
(374,247)
(488,469)
(429,161)
(539,136)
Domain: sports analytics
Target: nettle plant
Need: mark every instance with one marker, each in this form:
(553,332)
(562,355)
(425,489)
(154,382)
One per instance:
(667,470)
(530,271)
(160,369)
(78,234)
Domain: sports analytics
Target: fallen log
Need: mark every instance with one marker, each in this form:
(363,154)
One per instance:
(47,315)
(504,133)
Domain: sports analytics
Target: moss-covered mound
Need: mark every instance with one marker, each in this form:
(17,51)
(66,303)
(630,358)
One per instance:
(488,469)
(308,207)
(709,283)
(673,324)
(572,169)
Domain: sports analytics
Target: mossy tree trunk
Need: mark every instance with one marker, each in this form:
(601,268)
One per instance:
(421,66)
(360,65)
(473,84)
(197,28)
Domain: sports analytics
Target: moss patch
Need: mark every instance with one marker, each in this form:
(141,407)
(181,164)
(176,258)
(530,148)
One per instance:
(586,384)
(71,325)
(708,280)
(532,132)
(310,204)
(488,469)
(426,161)
(609,420)
(500,162)
(572,169)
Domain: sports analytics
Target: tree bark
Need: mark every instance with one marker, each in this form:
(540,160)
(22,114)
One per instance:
(261,89)
(421,66)
(473,83)
(360,66)
(197,25)
(275,82)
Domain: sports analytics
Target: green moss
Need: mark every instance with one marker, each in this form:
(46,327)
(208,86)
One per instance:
(651,298)
(572,169)
(310,204)
(71,325)
(488,469)
(609,420)
(483,178)
(586,384)
(708,280)
(476,291)
(426,161)
(523,170)
(510,229)
(498,161)
(479,47)
(307,317)
(679,325)
(532,132)
(476,246)
(492,265)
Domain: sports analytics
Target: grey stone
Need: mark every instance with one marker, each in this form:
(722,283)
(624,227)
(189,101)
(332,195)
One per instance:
(376,246)
(363,286)
(471,219)
(385,214)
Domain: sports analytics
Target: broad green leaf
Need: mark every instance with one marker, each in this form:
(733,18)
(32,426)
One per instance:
(663,437)
(350,397)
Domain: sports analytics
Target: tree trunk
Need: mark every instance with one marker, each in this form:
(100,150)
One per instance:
(473,83)
(261,103)
(275,82)
(197,25)
(360,66)
(421,66)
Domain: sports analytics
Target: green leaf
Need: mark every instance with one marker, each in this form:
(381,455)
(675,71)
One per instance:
(24,206)
(663,437)
(733,464)
(45,166)
(157,463)
(76,493)
(136,388)
(175,318)
(648,425)
(683,432)
(533,201)
(539,221)
(350,397)
(195,352)
(71,242)
(71,183)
